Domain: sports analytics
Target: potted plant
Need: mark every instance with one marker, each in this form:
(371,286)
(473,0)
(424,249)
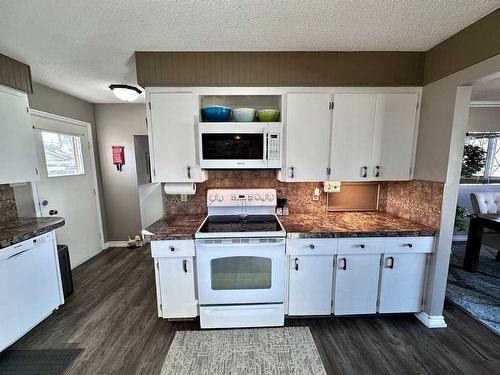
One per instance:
(460,218)
(473,160)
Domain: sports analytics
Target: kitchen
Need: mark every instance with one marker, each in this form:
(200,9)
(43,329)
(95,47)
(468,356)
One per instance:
(284,210)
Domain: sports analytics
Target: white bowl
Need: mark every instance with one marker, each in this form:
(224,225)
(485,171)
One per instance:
(244,114)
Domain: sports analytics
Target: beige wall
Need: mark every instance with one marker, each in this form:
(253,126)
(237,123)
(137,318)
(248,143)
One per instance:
(484,120)
(116,125)
(443,123)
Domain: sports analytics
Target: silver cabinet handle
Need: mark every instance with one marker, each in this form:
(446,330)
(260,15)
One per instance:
(184,265)
(376,171)
(189,171)
(364,171)
(292,169)
(296,264)
(390,263)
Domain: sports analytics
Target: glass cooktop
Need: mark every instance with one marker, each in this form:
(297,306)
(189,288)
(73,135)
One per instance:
(237,223)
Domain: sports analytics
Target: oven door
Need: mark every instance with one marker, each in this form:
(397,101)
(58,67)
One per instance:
(233,146)
(240,271)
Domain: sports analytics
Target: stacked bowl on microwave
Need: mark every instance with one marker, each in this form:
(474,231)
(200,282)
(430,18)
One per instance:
(220,113)
(244,114)
(215,113)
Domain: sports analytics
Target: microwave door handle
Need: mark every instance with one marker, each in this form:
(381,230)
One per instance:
(266,140)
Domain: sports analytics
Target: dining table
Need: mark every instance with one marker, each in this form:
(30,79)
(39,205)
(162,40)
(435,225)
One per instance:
(475,238)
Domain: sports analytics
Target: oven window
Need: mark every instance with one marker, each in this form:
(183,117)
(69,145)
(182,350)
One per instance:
(233,146)
(241,272)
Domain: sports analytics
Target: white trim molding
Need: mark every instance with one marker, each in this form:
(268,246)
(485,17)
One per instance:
(460,238)
(484,103)
(431,321)
(109,244)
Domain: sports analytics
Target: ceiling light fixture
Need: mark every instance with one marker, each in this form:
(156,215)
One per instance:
(125,92)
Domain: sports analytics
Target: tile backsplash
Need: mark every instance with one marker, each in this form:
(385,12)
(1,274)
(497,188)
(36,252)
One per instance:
(299,195)
(418,201)
(8,209)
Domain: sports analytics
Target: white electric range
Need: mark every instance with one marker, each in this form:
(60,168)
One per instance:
(240,258)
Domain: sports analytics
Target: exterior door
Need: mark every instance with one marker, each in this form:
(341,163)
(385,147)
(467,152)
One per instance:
(66,186)
(308,124)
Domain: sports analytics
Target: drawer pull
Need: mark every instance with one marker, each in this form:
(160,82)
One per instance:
(172,248)
(409,245)
(184,265)
(390,263)
(362,246)
(296,264)
(311,246)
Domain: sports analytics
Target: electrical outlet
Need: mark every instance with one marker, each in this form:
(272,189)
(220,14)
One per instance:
(331,186)
(184,198)
(316,194)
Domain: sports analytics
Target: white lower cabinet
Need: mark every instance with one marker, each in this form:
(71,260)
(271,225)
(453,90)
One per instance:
(356,284)
(310,285)
(402,283)
(175,278)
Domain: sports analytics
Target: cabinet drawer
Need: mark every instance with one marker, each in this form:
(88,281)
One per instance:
(312,246)
(172,248)
(409,245)
(361,245)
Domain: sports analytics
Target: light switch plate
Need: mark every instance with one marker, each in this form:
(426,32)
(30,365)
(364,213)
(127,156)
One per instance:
(184,197)
(331,186)
(316,194)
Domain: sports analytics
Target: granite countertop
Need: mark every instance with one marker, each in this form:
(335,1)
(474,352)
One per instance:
(299,225)
(175,227)
(18,230)
(351,224)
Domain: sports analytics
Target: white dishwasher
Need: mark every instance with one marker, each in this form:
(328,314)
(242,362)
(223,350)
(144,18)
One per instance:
(29,286)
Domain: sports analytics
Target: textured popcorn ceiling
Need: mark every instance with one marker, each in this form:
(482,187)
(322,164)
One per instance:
(80,47)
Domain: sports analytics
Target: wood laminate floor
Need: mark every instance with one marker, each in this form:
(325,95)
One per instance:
(112,316)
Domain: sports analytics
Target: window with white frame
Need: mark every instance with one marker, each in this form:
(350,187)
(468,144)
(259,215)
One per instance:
(490,143)
(63,154)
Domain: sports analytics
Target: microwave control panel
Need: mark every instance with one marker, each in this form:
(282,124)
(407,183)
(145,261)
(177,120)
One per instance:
(273,147)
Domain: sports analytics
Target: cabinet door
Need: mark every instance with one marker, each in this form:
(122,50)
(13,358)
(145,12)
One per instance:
(310,285)
(308,123)
(172,133)
(395,117)
(352,136)
(402,283)
(18,161)
(356,284)
(176,277)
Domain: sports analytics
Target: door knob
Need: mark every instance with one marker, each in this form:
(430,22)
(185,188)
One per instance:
(45,202)
(53,212)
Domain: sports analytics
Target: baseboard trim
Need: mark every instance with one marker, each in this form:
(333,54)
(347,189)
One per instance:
(436,321)
(115,244)
(460,238)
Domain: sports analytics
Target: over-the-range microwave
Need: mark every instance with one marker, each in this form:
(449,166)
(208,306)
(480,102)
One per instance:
(240,145)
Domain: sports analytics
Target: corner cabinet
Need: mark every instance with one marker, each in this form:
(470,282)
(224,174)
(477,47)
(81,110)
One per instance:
(175,278)
(18,162)
(172,140)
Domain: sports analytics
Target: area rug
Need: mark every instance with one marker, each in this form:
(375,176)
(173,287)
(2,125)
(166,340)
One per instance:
(477,293)
(259,351)
(39,362)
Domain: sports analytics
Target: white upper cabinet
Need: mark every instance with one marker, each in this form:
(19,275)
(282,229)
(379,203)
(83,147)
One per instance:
(373,136)
(172,137)
(307,137)
(18,161)
(393,136)
(352,137)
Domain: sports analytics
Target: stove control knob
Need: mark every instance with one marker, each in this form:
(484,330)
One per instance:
(211,198)
(266,197)
(220,198)
(271,197)
(257,197)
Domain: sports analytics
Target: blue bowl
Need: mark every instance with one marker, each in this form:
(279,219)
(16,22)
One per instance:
(215,113)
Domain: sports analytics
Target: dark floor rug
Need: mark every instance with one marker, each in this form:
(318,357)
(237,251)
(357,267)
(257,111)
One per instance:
(477,293)
(37,362)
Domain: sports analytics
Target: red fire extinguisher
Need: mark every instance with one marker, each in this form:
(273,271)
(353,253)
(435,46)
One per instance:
(118,157)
